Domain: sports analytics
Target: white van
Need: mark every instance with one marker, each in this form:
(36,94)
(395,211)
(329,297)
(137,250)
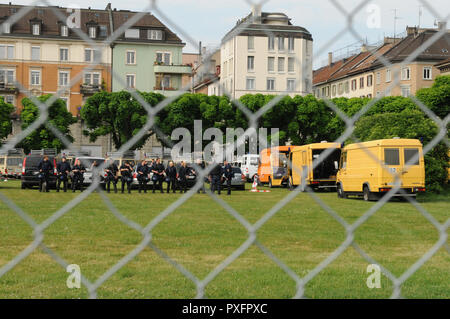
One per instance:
(250,165)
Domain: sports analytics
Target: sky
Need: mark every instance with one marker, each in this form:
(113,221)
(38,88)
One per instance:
(209,20)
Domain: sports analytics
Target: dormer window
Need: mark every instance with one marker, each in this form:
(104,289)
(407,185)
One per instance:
(64,31)
(36,29)
(92,32)
(6,27)
(155,34)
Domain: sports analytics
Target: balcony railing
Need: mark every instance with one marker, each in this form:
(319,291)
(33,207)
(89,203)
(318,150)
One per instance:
(8,88)
(90,89)
(172,69)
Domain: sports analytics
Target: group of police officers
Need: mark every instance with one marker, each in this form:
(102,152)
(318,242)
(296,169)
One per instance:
(153,170)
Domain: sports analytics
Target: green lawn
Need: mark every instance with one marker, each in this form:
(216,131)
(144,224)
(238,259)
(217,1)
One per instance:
(201,234)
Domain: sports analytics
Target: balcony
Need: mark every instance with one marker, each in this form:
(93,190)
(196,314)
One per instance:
(90,89)
(172,69)
(10,88)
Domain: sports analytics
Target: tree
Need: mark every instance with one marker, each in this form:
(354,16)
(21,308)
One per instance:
(437,98)
(5,118)
(118,114)
(43,137)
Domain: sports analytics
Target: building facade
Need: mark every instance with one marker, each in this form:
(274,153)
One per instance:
(269,56)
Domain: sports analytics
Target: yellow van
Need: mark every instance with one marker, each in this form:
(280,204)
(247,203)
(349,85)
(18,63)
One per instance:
(362,173)
(11,163)
(301,165)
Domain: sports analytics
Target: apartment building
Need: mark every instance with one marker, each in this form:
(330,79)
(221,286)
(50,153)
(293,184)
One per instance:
(364,74)
(44,56)
(268,56)
(444,67)
(148,56)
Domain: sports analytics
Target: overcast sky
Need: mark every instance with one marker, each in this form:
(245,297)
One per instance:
(209,20)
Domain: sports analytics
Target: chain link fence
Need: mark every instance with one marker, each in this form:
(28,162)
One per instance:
(252,229)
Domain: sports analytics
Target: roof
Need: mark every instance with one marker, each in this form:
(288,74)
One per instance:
(323,74)
(386,142)
(317,146)
(261,29)
(51,23)
(347,67)
(443,63)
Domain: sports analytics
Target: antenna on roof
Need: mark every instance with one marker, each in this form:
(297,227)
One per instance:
(420,15)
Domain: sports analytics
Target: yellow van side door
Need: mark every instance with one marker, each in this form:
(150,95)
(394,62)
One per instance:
(414,175)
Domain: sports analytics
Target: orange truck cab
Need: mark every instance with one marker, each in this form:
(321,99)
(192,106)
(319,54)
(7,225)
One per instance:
(273,164)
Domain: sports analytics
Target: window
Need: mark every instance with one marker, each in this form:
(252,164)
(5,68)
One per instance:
(163,57)
(131,81)
(92,78)
(391,156)
(155,35)
(251,63)
(353,85)
(8,99)
(63,78)
(388,75)
(347,87)
(35,77)
(92,32)
(340,88)
(406,74)
(324,92)
(271,64)
(132,34)
(406,90)
(290,87)
(6,52)
(251,42)
(7,76)
(271,43)
(91,55)
(166,81)
(369,96)
(344,160)
(35,53)
(410,155)
(64,31)
(103,31)
(361,83)
(36,29)
(63,54)
(334,90)
(281,64)
(378,78)
(291,65)
(131,57)
(270,84)
(6,27)
(369,80)
(280,43)
(66,101)
(291,44)
(250,83)
(427,75)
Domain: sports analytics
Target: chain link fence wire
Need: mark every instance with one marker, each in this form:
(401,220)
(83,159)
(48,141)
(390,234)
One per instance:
(252,229)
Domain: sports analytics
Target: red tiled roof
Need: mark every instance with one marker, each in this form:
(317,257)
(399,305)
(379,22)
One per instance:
(323,74)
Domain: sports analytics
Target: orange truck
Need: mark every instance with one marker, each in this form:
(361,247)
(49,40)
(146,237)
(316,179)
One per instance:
(273,166)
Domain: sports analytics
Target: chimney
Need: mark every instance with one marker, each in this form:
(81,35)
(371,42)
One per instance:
(330,58)
(256,12)
(442,25)
(411,31)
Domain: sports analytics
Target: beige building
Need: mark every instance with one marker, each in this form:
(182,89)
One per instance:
(444,67)
(364,75)
(268,56)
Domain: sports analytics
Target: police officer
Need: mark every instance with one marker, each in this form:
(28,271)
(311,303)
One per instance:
(215,177)
(142,176)
(182,177)
(78,171)
(111,176)
(171,177)
(45,170)
(228,173)
(63,169)
(126,172)
(200,166)
(158,171)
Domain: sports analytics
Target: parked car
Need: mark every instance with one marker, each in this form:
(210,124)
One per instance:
(238,180)
(369,169)
(250,166)
(11,163)
(30,171)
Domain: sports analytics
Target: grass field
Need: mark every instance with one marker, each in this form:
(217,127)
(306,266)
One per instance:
(201,234)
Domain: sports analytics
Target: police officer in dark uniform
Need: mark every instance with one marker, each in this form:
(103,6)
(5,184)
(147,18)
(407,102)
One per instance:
(215,177)
(45,170)
(111,176)
(158,175)
(78,171)
(183,172)
(142,176)
(63,169)
(171,177)
(228,173)
(126,172)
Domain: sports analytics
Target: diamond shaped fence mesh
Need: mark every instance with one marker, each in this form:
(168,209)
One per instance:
(252,229)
